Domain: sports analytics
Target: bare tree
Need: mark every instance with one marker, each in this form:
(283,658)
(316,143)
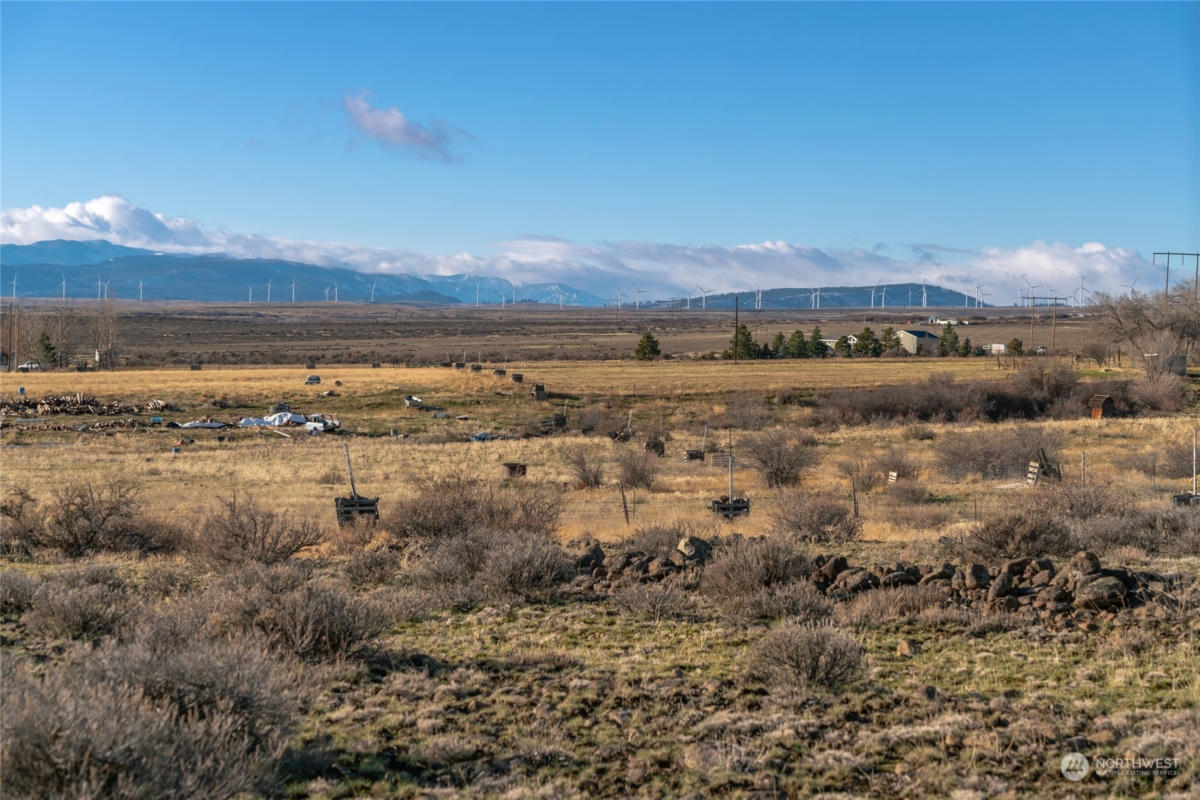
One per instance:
(1163,324)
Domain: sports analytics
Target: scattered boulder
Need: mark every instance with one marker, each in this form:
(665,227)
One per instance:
(1102,594)
(1085,563)
(694,549)
(978,577)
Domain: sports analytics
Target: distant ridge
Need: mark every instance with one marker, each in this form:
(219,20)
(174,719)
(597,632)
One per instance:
(92,267)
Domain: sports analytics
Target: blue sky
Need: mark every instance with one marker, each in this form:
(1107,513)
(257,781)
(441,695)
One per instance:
(986,128)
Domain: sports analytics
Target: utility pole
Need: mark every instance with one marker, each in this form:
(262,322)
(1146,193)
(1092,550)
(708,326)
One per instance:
(1167,277)
(1053,319)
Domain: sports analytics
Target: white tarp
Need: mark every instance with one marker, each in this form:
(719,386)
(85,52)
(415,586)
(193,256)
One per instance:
(200,424)
(273,420)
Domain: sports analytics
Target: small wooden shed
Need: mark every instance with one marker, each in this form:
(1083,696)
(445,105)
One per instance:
(1102,406)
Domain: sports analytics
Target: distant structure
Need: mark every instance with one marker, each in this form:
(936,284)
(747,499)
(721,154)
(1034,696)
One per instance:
(918,341)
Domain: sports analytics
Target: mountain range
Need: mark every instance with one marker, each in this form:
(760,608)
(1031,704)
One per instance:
(98,268)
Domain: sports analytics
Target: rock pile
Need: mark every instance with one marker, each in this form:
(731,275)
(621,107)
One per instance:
(1079,587)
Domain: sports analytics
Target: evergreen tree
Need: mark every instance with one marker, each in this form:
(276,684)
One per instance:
(948,344)
(842,346)
(778,346)
(891,342)
(868,345)
(44,350)
(964,349)
(742,344)
(816,347)
(647,348)
(797,345)
(1015,346)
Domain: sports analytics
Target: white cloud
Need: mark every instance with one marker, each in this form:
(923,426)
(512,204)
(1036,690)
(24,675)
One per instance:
(664,270)
(391,128)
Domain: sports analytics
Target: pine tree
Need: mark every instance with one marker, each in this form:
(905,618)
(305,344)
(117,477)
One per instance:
(842,346)
(867,345)
(647,348)
(964,349)
(890,341)
(948,344)
(1015,346)
(778,346)
(45,351)
(816,347)
(742,344)
(797,345)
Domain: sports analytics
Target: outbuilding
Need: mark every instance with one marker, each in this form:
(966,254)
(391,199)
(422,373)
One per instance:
(918,341)
(1102,406)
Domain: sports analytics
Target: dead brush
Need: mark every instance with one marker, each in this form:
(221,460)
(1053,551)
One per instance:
(801,658)
(884,606)
(654,601)
(587,469)
(637,469)
(817,519)
(780,457)
(455,505)
(242,531)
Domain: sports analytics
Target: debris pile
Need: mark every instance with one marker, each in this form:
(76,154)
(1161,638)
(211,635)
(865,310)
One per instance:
(73,404)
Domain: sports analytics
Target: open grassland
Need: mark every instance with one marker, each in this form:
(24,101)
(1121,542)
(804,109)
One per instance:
(212,633)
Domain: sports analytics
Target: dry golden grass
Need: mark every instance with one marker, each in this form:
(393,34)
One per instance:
(303,474)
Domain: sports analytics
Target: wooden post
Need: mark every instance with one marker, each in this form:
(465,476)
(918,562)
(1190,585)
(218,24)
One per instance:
(350,469)
(624,502)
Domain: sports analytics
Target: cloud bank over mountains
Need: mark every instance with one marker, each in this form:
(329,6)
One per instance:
(662,269)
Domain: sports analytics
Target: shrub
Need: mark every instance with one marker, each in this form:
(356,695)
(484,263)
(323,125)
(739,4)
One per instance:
(524,564)
(801,658)
(992,453)
(317,621)
(746,413)
(1075,502)
(1170,532)
(881,606)
(742,568)
(17,591)
(654,601)
(243,531)
(373,567)
(779,457)
(69,735)
(637,469)
(816,519)
(909,493)
(1030,532)
(462,571)
(899,462)
(87,612)
(22,525)
(453,506)
(88,518)
(588,472)
(199,678)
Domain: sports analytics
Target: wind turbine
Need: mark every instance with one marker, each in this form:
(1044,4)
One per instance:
(560,300)
(817,299)
(335,288)
(703,297)
(14,284)
(620,295)
(476,294)
(757,299)
(1127,285)
(883,297)
(139,290)
(924,294)
(1031,286)
(251,300)
(326,293)
(637,300)
(373,283)
(64,286)
(293,290)
(269,289)
(106,283)
(99,285)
